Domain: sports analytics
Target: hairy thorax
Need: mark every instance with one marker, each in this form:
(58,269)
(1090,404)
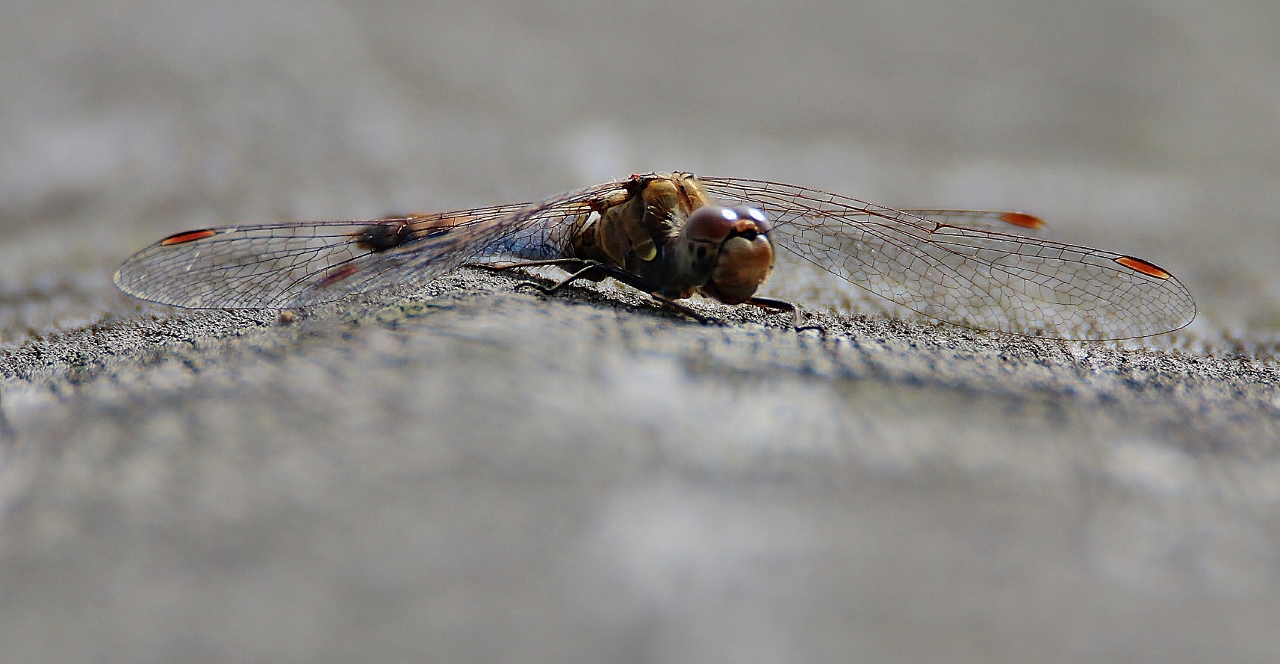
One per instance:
(645,229)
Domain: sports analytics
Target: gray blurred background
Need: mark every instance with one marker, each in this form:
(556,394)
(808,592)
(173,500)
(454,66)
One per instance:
(504,478)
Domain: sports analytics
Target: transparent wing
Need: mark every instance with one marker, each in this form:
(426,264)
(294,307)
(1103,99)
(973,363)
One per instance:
(973,275)
(303,263)
(1015,223)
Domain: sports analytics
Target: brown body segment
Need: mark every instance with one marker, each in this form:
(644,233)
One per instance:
(381,237)
(636,229)
(391,233)
(648,230)
(631,227)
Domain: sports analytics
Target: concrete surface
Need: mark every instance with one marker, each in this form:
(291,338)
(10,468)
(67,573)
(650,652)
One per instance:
(471,473)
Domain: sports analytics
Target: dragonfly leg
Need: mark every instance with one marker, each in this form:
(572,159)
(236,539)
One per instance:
(797,314)
(595,271)
(499,267)
(579,268)
(673,304)
(653,290)
(582,273)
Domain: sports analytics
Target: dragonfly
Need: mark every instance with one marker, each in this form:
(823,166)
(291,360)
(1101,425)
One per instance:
(676,235)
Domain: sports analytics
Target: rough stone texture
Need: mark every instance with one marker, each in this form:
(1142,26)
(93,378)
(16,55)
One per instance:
(475,473)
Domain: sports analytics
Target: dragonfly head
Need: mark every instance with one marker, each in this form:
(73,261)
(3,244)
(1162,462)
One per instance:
(725,252)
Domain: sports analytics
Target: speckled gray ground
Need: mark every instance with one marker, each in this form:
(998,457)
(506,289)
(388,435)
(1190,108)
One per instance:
(476,473)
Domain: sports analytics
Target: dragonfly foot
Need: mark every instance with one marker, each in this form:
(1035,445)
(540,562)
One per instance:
(688,311)
(798,320)
(545,290)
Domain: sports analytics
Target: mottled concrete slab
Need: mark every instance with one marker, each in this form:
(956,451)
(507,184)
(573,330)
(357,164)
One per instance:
(483,474)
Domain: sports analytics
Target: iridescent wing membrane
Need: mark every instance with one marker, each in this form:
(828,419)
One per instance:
(296,264)
(962,269)
(986,270)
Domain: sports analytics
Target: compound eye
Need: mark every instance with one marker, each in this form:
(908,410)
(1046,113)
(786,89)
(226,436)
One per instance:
(757,215)
(710,223)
